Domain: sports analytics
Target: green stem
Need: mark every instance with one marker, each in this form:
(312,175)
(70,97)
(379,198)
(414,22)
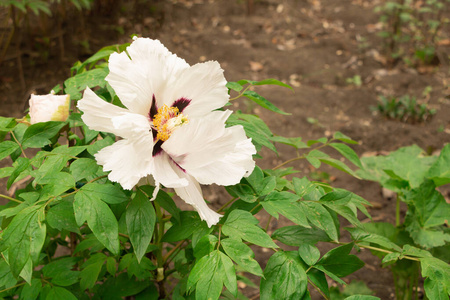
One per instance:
(320,292)
(167,256)
(268,222)
(10,198)
(17,285)
(228,203)
(241,93)
(20,145)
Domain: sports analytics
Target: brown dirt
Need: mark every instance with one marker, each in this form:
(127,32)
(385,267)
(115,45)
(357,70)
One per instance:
(313,45)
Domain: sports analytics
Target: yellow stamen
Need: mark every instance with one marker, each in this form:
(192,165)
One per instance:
(167,120)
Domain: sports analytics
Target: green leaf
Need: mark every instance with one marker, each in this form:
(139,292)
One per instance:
(107,192)
(295,142)
(263,102)
(31,291)
(122,286)
(111,265)
(309,253)
(57,184)
(255,128)
(234,86)
(6,148)
(298,235)
(242,224)
(362,297)
(141,219)
(164,200)
(348,153)
(339,165)
(24,237)
(437,274)
(7,279)
(61,216)
(314,156)
(439,172)
(343,138)
(210,273)
(242,191)
(99,217)
(58,293)
(91,270)
(271,81)
(100,144)
(291,210)
(189,223)
(284,277)
(373,238)
(339,262)
(84,168)
(40,134)
(242,255)
(92,78)
(20,165)
(60,271)
(320,217)
(205,246)
(427,209)
(320,280)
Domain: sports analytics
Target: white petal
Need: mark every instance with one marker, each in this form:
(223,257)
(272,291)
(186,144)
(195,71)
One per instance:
(210,152)
(102,116)
(203,84)
(192,194)
(165,172)
(151,71)
(127,160)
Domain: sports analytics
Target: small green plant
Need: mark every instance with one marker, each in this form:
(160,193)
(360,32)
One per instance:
(355,80)
(405,109)
(412,29)
(415,177)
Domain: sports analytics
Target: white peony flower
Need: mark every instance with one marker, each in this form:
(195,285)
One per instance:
(49,107)
(169,129)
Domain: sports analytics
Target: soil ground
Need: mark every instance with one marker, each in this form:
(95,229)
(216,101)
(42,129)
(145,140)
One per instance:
(314,45)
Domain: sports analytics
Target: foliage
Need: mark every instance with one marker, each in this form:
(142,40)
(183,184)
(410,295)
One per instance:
(404,108)
(70,233)
(412,30)
(415,178)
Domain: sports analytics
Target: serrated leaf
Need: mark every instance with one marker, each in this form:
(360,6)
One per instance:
(141,219)
(439,172)
(241,224)
(242,255)
(437,274)
(40,134)
(20,165)
(284,277)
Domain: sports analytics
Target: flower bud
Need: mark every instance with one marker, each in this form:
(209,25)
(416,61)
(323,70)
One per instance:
(49,107)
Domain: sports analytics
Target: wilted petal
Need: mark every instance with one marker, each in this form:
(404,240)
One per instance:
(210,152)
(102,116)
(127,160)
